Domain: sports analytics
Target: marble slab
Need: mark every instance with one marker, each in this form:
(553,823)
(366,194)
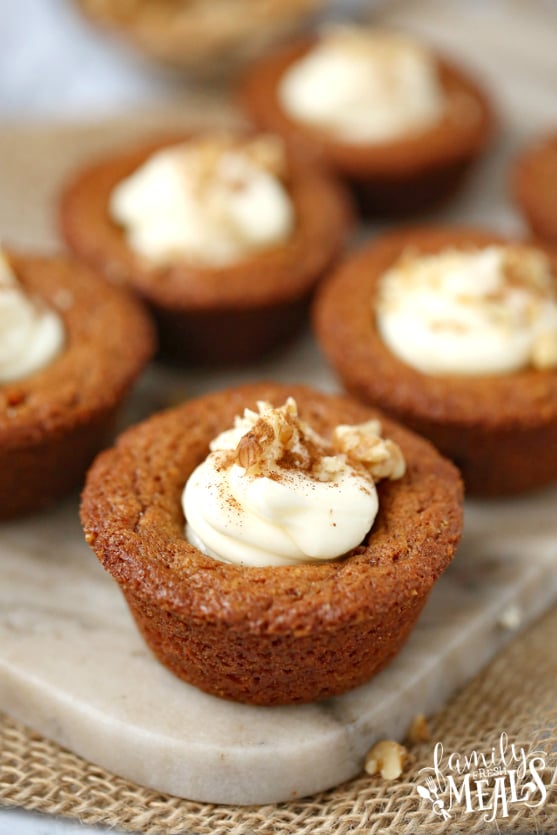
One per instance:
(72,665)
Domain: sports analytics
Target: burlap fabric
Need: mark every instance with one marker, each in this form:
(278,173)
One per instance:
(517,694)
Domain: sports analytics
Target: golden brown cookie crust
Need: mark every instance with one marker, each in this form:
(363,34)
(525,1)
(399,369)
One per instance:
(494,426)
(54,421)
(277,634)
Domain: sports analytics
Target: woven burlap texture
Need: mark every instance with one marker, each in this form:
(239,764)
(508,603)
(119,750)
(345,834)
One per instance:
(517,694)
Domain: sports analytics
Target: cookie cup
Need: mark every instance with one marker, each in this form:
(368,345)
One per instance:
(207,315)
(500,430)
(271,635)
(53,422)
(400,177)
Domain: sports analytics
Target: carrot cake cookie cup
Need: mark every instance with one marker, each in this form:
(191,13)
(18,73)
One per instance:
(223,235)
(400,123)
(454,332)
(208,43)
(71,347)
(275,544)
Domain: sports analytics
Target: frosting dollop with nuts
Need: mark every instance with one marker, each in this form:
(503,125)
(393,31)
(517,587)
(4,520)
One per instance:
(31,334)
(211,201)
(274,492)
(491,310)
(362,85)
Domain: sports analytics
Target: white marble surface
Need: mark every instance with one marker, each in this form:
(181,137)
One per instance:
(64,69)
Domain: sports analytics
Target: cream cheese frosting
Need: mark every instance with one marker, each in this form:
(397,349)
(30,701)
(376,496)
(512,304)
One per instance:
(211,201)
(362,85)
(491,310)
(31,334)
(273,492)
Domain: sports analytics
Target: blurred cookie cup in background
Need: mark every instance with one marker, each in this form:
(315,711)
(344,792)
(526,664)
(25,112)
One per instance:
(224,234)
(402,124)
(208,40)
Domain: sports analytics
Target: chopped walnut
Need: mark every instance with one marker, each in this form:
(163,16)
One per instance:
(386,758)
(249,451)
(419,729)
(363,443)
(277,437)
(204,153)
(267,152)
(526,267)
(329,467)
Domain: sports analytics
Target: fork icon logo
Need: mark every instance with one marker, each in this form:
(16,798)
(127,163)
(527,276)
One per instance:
(431,793)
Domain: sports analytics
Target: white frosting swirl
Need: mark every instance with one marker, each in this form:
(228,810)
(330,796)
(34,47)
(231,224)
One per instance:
(482,311)
(210,201)
(273,492)
(364,86)
(31,335)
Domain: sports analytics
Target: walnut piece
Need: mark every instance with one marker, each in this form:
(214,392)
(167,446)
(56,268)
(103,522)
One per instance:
(387,758)
(363,443)
(249,451)
(418,730)
(511,617)
(278,438)
(267,152)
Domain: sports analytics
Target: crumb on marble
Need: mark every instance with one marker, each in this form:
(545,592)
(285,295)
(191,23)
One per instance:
(419,729)
(510,617)
(386,758)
